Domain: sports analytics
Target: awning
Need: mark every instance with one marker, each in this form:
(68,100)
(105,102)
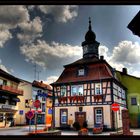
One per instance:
(16,99)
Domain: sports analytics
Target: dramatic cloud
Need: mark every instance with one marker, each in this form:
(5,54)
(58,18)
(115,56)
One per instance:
(60,13)
(30,30)
(51,56)
(126,52)
(4,36)
(10,17)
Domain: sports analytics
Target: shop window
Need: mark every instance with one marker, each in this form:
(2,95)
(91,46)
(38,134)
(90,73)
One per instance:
(63,91)
(63,116)
(98,115)
(98,89)
(133,101)
(76,90)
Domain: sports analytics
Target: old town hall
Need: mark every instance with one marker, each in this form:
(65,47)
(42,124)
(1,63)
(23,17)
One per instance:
(87,88)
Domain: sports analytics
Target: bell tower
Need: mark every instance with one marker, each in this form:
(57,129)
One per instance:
(90,45)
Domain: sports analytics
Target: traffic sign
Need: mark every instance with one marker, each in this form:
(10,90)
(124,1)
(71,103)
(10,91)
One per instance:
(20,112)
(115,107)
(37,103)
(29,114)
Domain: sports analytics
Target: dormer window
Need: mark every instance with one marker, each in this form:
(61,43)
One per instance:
(81,72)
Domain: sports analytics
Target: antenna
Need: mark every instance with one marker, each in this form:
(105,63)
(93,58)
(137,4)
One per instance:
(38,72)
(35,71)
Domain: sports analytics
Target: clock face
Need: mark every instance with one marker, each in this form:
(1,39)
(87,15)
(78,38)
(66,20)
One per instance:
(85,49)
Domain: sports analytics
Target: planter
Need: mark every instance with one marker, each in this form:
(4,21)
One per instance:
(47,133)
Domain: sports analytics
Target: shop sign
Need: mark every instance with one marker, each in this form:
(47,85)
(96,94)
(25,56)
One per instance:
(6,107)
(42,94)
(49,111)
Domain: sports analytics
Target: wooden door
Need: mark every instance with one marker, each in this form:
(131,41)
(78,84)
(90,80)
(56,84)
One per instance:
(80,117)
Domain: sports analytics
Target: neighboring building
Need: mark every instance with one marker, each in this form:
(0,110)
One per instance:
(86,90)
(9,92)
(42,92)
(35,91)
(24,104)
(133,95)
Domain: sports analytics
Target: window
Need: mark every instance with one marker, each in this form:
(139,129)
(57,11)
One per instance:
(81,72)
(4,82)
(98,116)
(133,101)
(63,90)
(26,103)
(76,90)
(43,107)
(63,116)
(98,89)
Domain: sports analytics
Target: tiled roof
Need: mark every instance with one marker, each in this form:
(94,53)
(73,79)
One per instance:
(42,85)
(95,71)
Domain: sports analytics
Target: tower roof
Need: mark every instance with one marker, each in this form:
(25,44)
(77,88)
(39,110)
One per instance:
(90,35)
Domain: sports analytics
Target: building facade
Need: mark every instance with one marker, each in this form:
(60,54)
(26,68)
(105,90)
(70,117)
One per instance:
(32,92)
(86,90)
(9,97)
(133,95)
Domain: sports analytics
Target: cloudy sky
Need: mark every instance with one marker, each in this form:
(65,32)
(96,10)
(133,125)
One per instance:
(47,37)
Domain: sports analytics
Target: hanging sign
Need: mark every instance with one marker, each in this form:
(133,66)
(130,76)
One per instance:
(29,114)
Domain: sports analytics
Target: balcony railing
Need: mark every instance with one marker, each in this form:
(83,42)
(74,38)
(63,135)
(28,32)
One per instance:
(11,89)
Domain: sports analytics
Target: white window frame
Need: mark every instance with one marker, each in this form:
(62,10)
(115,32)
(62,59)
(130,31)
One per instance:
(98,115)
(63,115)
(63,90)
(98,88)
(77,87)
(81,72)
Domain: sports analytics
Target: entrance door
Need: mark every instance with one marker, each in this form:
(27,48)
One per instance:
(80,117)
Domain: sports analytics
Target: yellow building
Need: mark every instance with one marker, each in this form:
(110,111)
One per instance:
(9,96)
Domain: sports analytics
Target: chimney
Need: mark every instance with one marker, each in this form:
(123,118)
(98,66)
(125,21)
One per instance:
(101,57)
(124,70)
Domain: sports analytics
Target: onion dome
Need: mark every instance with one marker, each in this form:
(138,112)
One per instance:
(90,35)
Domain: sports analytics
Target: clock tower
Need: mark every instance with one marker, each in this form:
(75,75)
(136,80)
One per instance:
(90,45)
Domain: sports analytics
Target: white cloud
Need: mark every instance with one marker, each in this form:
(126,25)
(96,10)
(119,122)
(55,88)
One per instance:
(60,13)
(30,30)
(52,55)
(126,52)
(51,79)
(10,17)
(4,36)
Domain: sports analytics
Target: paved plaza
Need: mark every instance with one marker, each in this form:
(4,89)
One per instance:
(24,130)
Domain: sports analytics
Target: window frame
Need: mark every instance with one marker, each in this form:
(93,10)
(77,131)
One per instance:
(135,101)
(61,111)
(96,115)
(77,87)
(99,89)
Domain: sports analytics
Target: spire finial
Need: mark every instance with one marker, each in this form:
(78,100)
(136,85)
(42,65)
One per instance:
(89,23)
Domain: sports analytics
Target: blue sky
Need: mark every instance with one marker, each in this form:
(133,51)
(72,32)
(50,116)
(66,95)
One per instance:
(51,36)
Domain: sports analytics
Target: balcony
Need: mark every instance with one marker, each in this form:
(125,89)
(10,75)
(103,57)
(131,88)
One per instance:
(11,90)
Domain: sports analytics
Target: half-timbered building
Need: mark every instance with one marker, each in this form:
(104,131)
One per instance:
(86,90)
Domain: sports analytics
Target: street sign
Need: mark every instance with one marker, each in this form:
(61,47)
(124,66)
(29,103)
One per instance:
(115,107)
(29,114)
(37,103)
(20,112)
